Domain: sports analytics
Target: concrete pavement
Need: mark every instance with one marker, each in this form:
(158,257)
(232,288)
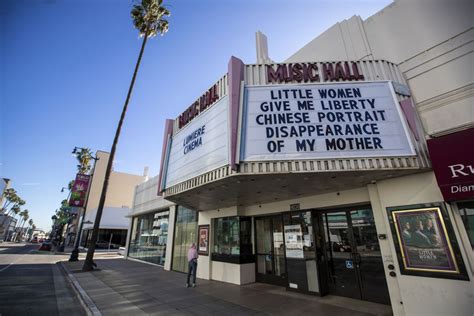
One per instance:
(37,283)
(32,284)
(126,287)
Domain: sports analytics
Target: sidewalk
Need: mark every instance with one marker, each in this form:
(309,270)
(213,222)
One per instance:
(126,287)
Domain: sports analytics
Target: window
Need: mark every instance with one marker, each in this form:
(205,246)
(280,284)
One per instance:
(186,229)
(149,237)
(466,209)
(106,239)
(232,240)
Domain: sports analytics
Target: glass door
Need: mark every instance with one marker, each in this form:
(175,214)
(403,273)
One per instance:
(342,277)
(354,262)
(185,233)
(270,250)
(368,258)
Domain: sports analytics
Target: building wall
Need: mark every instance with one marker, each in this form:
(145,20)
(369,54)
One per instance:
(445,297)
(120,193)
(432,45)
(147,200)
(112,218)
(442,296)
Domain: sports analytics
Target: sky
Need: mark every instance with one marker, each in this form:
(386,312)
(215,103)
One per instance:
(65,69)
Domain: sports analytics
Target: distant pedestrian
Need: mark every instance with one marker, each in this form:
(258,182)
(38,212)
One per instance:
(192,264)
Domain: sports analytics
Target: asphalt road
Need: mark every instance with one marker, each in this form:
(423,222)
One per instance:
(31,283)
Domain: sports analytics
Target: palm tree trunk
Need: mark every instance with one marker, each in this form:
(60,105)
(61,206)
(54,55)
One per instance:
(88,263)
(21,229)
(15,231)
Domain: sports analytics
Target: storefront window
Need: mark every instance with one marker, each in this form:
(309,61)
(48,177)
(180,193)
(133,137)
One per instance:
(107,238)
(466,209)
(185,234)
(149,237)
(232,239)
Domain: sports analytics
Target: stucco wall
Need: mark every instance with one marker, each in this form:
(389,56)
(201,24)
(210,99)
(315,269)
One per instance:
(112,218)
(120,193)
(420,295)
(430,41)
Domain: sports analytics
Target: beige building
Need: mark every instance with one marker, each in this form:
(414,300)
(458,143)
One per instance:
(345,170)
(118,203)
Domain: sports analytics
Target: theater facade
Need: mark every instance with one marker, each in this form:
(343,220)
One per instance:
(315,177)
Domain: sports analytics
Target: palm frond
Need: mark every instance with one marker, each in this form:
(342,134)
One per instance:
(149,18)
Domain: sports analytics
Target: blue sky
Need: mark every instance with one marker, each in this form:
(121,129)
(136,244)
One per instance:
(65,67)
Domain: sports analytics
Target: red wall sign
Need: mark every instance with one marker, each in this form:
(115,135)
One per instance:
(452,157)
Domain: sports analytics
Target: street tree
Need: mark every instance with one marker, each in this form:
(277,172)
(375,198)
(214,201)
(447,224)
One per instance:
(83,156)
(24,215)
(10,197)
(29,229)
(20,234)
(149,17)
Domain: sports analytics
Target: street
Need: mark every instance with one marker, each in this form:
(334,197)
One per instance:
(31,283)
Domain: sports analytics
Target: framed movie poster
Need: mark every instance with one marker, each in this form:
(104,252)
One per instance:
(203,242)
(425,242)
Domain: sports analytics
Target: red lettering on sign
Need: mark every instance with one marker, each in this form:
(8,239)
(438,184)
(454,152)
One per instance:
(205,101)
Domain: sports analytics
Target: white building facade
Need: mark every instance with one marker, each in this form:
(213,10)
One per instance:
(323,174)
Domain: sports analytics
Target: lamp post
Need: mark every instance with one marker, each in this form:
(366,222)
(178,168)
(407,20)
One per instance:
(75,252)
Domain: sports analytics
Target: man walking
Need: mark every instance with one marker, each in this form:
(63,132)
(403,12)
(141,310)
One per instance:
(192,264)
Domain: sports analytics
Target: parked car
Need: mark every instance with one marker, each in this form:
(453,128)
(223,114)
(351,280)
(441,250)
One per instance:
(45,246)
(34,240)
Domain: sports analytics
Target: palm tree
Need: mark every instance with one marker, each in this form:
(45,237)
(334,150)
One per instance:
(23,220)
(23,217)
(11,200)
(149,18)
(10,197)
(83,156)
(30,225)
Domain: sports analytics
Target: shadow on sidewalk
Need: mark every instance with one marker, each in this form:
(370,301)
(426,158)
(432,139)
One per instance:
(129,287)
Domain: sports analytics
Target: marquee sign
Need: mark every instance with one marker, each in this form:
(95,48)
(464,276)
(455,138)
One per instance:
(286,122)
(200,146)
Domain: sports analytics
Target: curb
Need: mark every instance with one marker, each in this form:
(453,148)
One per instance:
(86,301)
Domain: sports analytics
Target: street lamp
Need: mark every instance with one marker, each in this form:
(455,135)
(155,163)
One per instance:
(75,252)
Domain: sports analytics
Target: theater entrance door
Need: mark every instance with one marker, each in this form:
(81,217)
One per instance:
(353,258)
(270,250)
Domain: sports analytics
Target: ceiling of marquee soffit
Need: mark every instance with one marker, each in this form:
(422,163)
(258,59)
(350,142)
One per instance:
(246,190)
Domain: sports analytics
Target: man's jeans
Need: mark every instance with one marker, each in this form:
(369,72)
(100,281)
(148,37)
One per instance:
(192,267)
